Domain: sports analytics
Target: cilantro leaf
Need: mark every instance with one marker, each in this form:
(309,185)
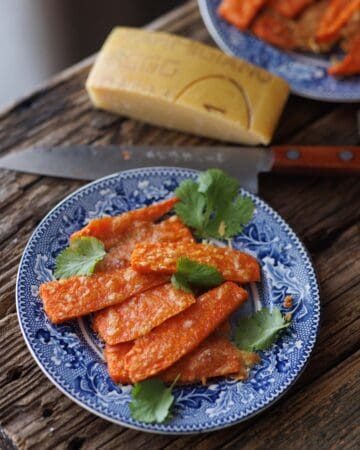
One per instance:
(152,401)
(218,186)
(192,207)
(80,258)
(212,205)
(190,272)
(260,331)
(179,281)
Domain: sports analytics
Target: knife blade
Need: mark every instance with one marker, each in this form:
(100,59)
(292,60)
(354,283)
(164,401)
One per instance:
(85,162)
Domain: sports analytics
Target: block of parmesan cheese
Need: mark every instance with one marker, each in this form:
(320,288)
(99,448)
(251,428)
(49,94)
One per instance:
(177,83)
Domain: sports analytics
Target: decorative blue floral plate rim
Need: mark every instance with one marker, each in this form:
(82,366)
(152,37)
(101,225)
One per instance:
(305,73)
(70,354)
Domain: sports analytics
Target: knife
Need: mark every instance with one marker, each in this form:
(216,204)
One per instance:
(86,162)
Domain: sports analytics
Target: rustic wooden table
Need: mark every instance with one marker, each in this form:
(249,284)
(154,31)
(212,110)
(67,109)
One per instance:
(322,410)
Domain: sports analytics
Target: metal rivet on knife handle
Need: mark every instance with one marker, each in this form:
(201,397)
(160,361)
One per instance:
(293,154)
(346,155)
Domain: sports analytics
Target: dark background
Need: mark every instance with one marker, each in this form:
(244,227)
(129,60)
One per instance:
(40,37)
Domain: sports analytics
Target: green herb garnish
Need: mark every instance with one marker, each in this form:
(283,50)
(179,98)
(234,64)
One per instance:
(191,273)
(80,258)
(212,206)
(260,331)
(152,401)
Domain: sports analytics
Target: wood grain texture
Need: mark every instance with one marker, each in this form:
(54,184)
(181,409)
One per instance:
(321,410)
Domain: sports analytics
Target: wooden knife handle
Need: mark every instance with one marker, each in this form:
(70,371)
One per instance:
(316,159)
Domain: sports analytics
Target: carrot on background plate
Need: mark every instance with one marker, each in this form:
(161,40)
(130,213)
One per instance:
(350,65)
(181,334)
(289,8)
(337,14)
(240,13)
(275,29)
(162,257)
(109,229)
(76,296)
(169,230)
(138,315)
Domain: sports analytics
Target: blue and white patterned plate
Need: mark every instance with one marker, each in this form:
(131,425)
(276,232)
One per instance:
(306,73)
(71,355)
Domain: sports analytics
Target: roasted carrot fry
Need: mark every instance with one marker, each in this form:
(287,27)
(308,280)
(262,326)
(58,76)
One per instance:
(215,356)
(170,230)
(224,329)
(162,258)
(77,296)
(181,334)
(337,14)
(118,256)
(289,8)
(350,65)
(115,355)
(139,315)
(275,29)
(306,27)
(240,13)
(109,229)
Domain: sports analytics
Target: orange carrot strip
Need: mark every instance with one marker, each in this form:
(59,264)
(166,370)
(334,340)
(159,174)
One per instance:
(118,256)
(350,65)
(224,329)
(337,14)
(275,29)
(115,355)
(172,230)
(180,334)
(138,315)
(215,356)
(162,258)
(240,13)
(77,296)
(109,229)
(289,8)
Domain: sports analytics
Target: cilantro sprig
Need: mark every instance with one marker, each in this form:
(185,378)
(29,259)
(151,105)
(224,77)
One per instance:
(260,331)
(212,206)
(152,401)
(80,258)
(191,273)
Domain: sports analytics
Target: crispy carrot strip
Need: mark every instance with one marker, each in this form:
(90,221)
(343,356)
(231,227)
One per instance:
(118,256)
(109,229)
(289,8)
(115,355)
(224,329)
(180,334)
(337,14)
(77,296)
(275,29)
(215,356)
(170,230)
(350,65)
(139,315)
(162,258)
(240,13)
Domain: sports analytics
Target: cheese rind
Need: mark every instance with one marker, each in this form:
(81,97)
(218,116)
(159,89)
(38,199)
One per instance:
(181,84)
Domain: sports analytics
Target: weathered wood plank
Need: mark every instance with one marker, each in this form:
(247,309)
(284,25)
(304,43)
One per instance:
(24,384)
(324,211)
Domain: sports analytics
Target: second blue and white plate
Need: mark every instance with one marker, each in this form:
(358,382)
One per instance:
(305,73)
(70,354)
